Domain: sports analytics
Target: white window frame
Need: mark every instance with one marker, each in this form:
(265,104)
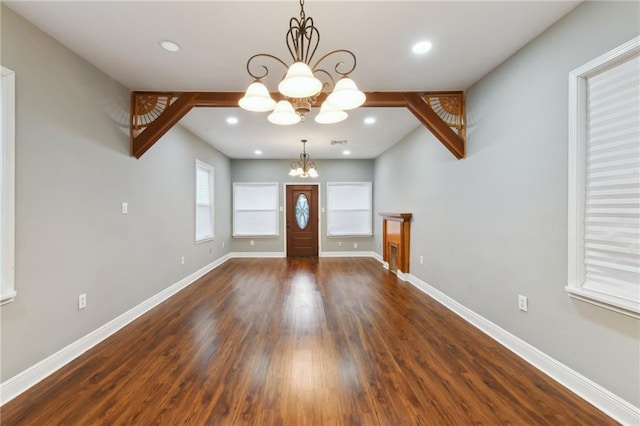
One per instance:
(577,182)
(210,170)
(274,209)
(330,208)
(7,214)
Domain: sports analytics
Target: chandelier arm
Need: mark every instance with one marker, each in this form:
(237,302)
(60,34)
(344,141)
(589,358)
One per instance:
(340,63)
(310,31)
(293,39)
(261,67)
(301,30)
(326,85)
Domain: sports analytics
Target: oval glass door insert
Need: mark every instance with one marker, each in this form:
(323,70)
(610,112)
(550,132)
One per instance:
(302,211)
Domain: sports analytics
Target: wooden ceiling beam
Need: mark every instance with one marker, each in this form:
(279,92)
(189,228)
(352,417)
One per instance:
(154,113)
(218,99)
(162,124)
(432,121)
(385,100)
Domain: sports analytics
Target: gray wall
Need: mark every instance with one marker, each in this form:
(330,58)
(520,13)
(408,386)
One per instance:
(73,172)
(277,171)
(494,225)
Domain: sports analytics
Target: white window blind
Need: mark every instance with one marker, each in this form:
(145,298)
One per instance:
(204,201)
(255,209)
(7,185)
(604,181)
(612,214)
(349,209)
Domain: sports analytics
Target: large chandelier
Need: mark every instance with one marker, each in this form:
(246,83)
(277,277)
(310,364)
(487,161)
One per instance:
(301,86)
(305,167)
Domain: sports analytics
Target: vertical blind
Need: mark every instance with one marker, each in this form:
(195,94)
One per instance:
(255,209)
(2,184)
(612,210)
(204,201)
(7,182)
(349,209)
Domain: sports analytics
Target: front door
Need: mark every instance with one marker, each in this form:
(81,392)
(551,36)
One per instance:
(302,220)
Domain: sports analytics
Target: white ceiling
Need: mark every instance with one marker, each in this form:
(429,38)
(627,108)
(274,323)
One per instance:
(217,37)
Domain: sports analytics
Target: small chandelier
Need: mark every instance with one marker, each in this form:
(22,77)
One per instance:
(300,87)
(305,167)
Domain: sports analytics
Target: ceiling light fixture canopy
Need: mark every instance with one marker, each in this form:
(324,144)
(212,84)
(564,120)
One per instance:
(303,168)
(303,82)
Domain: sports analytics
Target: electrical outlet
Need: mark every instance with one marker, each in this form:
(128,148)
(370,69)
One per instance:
(339,243)
(379,245)
(223,244)
(125,208)
(251,243)
(82,301)
(355,245)
(523,303)
(182,260)
(210,250)
(421,260)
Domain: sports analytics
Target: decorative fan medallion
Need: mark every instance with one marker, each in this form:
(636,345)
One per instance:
(147,108)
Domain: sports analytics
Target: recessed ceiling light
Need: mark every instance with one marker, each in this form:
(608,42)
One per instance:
(422,47)
(169,45)
(257,152)
(369,120)
(346,152)
(232,120)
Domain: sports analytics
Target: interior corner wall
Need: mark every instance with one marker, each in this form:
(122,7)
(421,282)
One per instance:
(494,225)
(73,171)
(277,171)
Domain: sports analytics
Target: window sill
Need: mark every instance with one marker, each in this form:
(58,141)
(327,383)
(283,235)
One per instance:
(622,306)
(257,236)
(205,240)
(7,298)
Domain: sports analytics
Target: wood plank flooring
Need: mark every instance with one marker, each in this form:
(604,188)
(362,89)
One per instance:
(299,342)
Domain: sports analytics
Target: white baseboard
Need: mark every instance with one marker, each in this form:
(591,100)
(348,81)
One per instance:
(401,275)
(611,404)
(249,254)
(22,381)
(347,254)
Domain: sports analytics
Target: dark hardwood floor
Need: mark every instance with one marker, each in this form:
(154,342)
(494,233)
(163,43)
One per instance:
(299,342)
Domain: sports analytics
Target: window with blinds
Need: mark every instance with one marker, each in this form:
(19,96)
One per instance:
(255,209)
(605,178)
(204,201)
(349,209)
(7,185)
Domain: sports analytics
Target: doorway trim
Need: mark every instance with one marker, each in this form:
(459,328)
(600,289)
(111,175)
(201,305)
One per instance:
(284,217)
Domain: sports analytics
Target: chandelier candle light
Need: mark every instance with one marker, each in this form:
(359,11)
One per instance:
(305,167)
(301,86)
